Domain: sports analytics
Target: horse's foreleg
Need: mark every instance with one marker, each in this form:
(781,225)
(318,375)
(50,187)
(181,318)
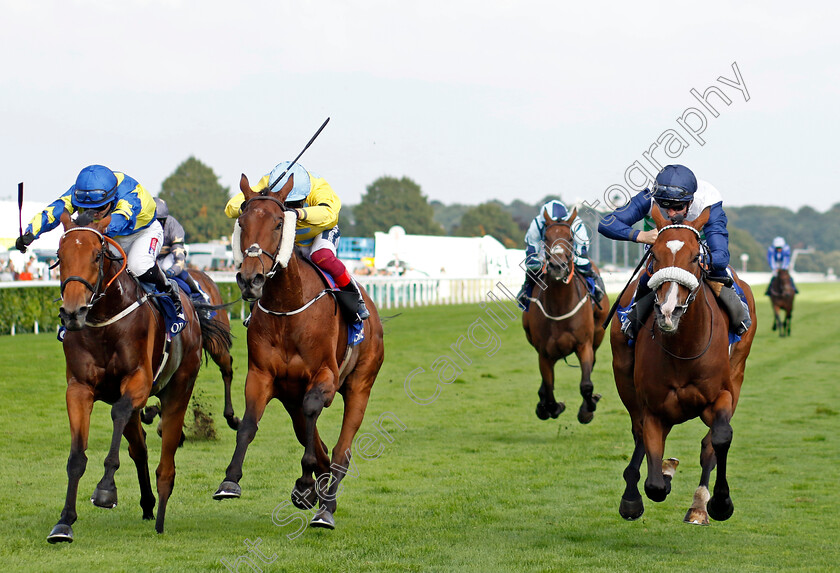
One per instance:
(720,505)
(174,407)
(586,357)
(105,494)
(697,513)
(315,459)
(548,406)
(658,483)
(258,391)
(224,361)
(79,406)
(632,507)
(136,437)
(304,495)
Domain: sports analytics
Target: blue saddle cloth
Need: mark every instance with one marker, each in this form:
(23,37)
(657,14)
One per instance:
(355,328)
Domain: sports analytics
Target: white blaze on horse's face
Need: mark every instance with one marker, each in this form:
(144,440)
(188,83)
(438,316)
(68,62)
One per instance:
(674,246)
(558,250)
(672,299)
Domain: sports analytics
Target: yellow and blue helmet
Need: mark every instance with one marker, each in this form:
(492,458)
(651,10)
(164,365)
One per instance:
(95,186)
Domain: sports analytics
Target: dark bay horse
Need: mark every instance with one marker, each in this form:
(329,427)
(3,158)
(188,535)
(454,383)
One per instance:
(680,368)
(298,353)
(781,296)
(217,349)
(114,348)
(562,320)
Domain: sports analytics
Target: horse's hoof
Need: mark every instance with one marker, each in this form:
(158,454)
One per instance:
(304,498)
(631,510)
(147,416)
(228,490)
(324,518)
(720,510)
(233,423)
(542,413)
(696,516)
(106,498)
(656,494)
(61,533)
(557,409)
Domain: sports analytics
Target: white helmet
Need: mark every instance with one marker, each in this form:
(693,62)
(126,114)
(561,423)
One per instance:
(778,243)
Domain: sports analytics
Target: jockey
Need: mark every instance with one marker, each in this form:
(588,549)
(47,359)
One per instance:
(778,257)
(99,193)
(173,255)
(317,232)
(680,197)
(535,253)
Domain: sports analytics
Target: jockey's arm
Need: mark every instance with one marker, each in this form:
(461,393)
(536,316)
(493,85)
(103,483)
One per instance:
(179,253)
(717,239)
(618,225)
(324,205)
(49,218)
(533,238)
(135,210)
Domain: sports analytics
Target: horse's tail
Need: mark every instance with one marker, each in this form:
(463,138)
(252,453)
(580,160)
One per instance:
(215,335)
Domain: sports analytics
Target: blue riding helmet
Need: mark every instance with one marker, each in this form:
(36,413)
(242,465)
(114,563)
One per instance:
(162,208)
(95,186)
(302,185)
(675,183)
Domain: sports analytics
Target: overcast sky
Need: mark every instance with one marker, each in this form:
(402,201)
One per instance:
(473,100)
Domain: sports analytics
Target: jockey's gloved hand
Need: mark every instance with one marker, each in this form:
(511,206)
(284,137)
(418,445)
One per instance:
(24,241)
(170,272)
(720,278)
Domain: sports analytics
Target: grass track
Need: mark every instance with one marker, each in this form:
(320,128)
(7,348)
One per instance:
(474,483)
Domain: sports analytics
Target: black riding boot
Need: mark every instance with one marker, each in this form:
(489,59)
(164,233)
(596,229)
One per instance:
(600,288)
(156,277)
(638,314)
(739,314)
(525,291)
(361,309)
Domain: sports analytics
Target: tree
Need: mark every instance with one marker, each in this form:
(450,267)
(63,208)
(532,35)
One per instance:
(490,219)
(389,201)
(195,197)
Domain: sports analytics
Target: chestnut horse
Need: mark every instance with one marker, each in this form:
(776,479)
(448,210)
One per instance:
(562,320)
(218,350)
(114,349)
(681,367)
(298,352)
(781,297)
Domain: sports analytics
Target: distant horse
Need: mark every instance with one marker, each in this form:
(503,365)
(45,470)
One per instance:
(681,367)
(218,350)
(781,296)
(114,348)
(298,352)
(562,320)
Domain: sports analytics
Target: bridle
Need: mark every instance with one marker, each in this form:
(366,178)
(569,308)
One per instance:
(96,294)
(678,274)
(559,246)
(281,256)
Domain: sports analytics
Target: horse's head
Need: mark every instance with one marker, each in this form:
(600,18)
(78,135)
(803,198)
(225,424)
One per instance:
(267,236)
(559,247)
(677,272)
(81,256)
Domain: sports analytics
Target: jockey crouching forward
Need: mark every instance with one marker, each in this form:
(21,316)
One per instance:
(535,251)
(100,193)
(680,196)
(317,233)
(173,254)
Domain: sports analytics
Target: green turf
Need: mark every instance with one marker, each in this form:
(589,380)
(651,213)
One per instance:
(475,482)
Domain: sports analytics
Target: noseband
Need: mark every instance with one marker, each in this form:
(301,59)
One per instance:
(280,258)
(96,295)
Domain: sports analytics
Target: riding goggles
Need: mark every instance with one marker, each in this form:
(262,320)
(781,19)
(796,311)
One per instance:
(93,197)
(671,193)
(670,204)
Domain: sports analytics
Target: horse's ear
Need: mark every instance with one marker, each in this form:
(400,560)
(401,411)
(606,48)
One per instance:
(658,217)
(701,221)
(548,220)
(245,187)
(287,188)
(102,224)
(66,221)
(573,215)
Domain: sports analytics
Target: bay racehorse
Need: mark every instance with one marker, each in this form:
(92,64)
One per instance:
(782,294)
(298,352)
(116,352)
(562,320)
(681,367)
(215,348)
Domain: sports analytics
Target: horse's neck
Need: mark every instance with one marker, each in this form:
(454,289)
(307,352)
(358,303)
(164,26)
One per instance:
(122,292)
(286,288)
(561,296)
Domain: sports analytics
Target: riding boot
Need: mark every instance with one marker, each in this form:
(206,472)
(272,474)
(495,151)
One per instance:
(600,289)
(194,286)
(739,313)
(524,293)
(156,277)
(638,314)
(361,309)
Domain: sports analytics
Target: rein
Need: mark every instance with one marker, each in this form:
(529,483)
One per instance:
(708,342)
